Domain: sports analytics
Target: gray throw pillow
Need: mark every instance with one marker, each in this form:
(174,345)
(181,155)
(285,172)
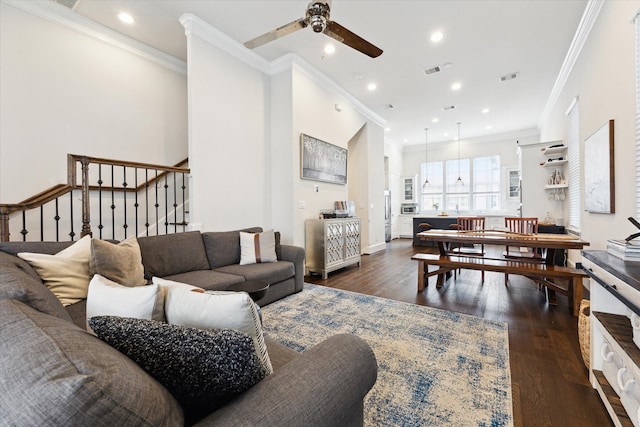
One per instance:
(203,369)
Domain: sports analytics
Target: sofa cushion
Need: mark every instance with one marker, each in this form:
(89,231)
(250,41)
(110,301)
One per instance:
(20,282)
(170,254)
(207,279)
(272,272)
(54,373)
(108,298)
(203,369)
(257,247)
(66,273)
(121,262)
(223,247)
(40,247)
(218,310)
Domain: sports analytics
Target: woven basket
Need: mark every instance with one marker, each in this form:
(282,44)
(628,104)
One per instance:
(584,330)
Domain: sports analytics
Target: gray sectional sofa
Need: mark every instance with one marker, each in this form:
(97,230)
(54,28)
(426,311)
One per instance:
(54,372)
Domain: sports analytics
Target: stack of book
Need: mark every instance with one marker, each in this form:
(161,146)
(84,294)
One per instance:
(628,251)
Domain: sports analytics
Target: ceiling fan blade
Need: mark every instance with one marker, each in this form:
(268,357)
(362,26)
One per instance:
(289,28)
(341,34)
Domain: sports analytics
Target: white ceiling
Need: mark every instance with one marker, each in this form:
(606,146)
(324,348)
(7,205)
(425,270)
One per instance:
(483,40)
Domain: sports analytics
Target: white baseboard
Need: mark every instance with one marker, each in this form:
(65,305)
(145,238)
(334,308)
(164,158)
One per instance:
(375,248)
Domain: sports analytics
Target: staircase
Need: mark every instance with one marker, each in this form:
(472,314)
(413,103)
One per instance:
(109,199)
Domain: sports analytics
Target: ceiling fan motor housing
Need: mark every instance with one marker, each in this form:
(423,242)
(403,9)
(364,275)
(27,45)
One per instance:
(317,16)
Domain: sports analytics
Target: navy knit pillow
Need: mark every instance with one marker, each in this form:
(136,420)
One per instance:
(202,369)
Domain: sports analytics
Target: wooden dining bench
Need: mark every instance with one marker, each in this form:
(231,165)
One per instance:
(539,273)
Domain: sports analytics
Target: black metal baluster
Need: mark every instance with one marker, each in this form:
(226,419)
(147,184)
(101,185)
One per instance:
(175,205)
(184,207)
(124,198)
(100,226)
(156,204)
(166,204)
(146,196)
(136,205)
(57,219)
(42,223)
(24,226)
(113,206)
(72,233)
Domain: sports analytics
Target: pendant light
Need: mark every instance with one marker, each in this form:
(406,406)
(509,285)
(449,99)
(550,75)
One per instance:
(426,158)
(459,180)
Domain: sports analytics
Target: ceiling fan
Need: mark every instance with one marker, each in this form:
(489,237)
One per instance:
(317,17)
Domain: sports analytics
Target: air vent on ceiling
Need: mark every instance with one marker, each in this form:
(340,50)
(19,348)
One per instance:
(433,70)
(509,77)
(449,107)
(71,4)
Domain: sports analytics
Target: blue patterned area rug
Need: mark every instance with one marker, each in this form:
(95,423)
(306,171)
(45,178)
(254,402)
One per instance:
(435,367)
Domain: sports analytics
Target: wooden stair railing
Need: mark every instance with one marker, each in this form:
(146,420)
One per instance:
(149,186)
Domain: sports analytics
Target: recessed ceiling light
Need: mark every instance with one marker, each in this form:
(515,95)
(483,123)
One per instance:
(405,140)
(387,129)
(126,18)
(489,127)
(456,86)
(372,86)
(437,36)
(435,120)
(485,110)
(329,49)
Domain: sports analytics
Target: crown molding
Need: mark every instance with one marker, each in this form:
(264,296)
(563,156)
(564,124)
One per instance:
(589,17)
(65,17)
(198,27)
(291,61)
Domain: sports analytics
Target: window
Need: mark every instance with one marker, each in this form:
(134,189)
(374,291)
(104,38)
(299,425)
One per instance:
(486,183)
(573,155)
(432,194)
(480,188)
(457,195)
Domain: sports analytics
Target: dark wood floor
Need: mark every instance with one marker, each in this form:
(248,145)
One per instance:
(549,379)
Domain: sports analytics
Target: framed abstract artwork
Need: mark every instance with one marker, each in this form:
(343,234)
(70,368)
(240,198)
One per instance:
(322,161)
(599,194)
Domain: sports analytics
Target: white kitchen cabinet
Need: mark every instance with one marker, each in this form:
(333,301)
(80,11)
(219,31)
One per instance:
(406,226)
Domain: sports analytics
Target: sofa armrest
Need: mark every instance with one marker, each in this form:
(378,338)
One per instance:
(295,254)
(324,386)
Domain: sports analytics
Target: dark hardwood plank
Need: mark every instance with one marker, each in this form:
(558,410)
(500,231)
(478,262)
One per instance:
(550,384)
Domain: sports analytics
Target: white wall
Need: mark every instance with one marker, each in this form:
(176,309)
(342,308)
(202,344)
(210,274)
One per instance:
(65,92)
(228,137)
(315,114)
(603,78)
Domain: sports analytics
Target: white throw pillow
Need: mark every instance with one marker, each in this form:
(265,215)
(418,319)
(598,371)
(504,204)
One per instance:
(108,298)
(257,247)
(66,273)
(218,310)
(168,286)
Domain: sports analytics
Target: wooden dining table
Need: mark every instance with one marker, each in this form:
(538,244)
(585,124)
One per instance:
(548,243)
(545,243)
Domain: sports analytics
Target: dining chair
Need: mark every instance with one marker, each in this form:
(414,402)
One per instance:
(522,226)
(469,223)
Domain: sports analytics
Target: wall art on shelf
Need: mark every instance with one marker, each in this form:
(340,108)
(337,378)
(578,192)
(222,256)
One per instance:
(599,194)
(322,161)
